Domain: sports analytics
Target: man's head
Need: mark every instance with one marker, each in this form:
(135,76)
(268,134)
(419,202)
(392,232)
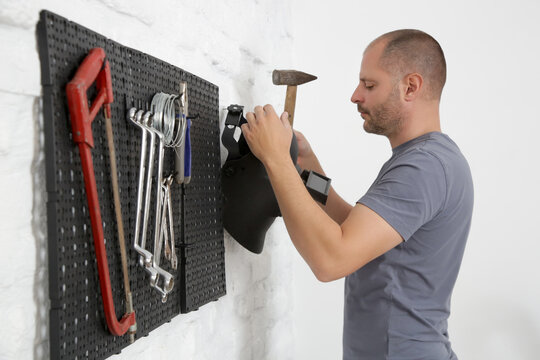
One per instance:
(401,71)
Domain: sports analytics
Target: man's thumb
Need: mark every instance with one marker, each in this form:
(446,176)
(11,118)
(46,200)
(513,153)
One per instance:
(285,119)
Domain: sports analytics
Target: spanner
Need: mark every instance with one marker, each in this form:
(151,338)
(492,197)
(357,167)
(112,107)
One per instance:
(170,252)
(168,279)
(145,258)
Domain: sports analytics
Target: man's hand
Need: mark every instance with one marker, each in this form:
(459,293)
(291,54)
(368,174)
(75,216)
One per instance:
(268,136)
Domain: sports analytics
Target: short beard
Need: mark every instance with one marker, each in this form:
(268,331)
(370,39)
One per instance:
(386,118)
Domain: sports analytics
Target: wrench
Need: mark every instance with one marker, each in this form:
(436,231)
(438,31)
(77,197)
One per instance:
(174,258)
(145,259)
(170,253)
(164,219)
(143,121)
(168,279)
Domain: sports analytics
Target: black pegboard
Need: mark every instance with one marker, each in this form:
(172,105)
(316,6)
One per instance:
(77,323)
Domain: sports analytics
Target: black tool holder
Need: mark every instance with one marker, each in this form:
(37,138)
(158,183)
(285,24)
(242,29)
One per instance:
(250,205)
(77,324)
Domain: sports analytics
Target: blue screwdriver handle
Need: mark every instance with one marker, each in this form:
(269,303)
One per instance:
(187,154)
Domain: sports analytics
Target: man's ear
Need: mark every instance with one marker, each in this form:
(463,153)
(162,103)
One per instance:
(413,84)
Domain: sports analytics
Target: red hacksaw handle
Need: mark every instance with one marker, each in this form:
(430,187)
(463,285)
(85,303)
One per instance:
(94,68)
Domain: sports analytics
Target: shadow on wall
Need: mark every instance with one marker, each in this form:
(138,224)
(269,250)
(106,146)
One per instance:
(243,81)
(259,285)
(246,278)
(240,89)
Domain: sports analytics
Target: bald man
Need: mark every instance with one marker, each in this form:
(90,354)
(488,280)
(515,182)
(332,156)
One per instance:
(401,245)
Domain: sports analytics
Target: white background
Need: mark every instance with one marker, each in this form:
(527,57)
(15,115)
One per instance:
(274,307)
(489,108)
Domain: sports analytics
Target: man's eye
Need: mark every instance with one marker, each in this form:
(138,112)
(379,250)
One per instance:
(369,86)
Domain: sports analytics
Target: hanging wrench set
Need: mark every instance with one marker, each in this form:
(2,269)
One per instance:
(168,122)
(134,206)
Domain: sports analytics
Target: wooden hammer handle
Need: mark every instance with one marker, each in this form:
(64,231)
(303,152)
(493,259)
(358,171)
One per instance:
(290,102)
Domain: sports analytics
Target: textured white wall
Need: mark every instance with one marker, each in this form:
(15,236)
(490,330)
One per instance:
(489,107)
(232,43)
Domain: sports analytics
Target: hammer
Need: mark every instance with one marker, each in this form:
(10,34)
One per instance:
(292,79)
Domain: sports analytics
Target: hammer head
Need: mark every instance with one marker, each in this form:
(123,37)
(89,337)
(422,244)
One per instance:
(291,77)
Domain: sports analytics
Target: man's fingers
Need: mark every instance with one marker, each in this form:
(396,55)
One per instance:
(285,120)
(267,112)
(245,130)
(259,112)
(269,109)
(250,117)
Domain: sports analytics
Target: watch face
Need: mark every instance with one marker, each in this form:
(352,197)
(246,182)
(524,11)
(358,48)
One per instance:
(317,183)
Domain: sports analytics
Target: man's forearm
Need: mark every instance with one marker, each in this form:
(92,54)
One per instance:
(313,232)
(337,208)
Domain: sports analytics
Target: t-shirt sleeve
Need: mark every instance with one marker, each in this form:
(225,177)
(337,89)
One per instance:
(409,193)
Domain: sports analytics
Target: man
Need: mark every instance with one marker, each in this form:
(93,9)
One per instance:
(400,247)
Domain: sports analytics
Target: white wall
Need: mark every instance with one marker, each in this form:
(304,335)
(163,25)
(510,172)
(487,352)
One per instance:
(489,107)
(234,44)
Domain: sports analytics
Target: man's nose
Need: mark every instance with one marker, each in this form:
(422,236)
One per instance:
(357,96)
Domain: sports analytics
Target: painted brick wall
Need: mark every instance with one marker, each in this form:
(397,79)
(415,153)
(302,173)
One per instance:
(234,44)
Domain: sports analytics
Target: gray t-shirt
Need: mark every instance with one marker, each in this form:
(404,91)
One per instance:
(397,306)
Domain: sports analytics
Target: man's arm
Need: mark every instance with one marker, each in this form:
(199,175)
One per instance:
(330,249)
(337,208)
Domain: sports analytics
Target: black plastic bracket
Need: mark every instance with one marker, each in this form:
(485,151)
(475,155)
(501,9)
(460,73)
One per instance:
(250,205)
(232,139)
